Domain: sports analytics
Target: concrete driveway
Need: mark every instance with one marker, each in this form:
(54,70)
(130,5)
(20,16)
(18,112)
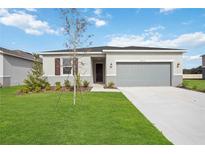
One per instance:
(178,113)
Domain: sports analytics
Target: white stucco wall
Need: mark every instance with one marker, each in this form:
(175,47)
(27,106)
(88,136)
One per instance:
(1,65)
(15,69)
(143,57)
(174,58)
(84,68)
(1,69)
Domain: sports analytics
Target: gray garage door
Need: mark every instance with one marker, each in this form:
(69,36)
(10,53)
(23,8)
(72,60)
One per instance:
(143,74)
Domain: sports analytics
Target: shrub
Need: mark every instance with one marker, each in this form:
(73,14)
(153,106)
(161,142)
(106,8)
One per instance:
(24,90)
(67,84)
(58,86)
(1,85)
(35,78)
(37,89)
(48,87)
(110,84)
(85,83)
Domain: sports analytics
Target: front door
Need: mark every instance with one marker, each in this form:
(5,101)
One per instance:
(99,72)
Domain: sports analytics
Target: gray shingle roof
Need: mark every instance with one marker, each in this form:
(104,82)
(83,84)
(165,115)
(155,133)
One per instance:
(100,48)
(18,53)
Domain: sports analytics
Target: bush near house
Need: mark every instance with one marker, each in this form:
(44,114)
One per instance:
(48,87)
(67,84)
(58,86)
(85,83)
(35,78)
(110,85)
(24,90)
(37,89)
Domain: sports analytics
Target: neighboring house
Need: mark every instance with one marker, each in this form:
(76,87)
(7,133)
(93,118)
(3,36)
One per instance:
(203,66)
(14,66)
(125,66)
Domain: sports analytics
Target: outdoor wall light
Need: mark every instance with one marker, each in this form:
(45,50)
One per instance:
(178,64)
(110,65)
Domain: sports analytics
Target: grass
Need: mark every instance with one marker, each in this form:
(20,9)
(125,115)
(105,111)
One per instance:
(198,85)
(97,118)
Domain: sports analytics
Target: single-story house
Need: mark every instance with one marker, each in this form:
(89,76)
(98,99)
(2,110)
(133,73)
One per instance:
(14,66)
(203,66)
(125,66)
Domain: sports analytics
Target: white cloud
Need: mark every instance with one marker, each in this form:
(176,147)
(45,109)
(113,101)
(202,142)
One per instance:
(151,37)
(98,22)
(99,18)
(154,29)
(31,9)
(191,58)
(26,22)
(98,11)
(187,22)
(3,12)
(167,10)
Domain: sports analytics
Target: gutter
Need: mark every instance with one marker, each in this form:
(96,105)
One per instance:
(144,51)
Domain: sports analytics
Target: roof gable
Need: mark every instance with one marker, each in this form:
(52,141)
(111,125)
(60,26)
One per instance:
(17,53)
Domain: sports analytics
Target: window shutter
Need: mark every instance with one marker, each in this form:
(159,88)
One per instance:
(57,66)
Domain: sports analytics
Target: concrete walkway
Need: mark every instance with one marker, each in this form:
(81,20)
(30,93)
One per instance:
(100,88)
(178,113)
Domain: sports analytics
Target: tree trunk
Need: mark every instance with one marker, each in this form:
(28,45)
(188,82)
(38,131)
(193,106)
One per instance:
(74,77)
(74,90)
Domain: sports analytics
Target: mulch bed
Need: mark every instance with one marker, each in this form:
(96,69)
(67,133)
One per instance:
(63,89)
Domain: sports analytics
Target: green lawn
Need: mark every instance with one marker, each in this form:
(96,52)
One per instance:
(198,85)
(97,118)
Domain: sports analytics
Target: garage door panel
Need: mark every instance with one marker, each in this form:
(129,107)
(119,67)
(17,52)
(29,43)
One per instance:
(143,74)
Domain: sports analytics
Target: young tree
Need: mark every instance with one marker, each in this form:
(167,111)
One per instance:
(35,78)
(75,28)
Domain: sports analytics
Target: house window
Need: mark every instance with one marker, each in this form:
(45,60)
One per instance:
(67,65)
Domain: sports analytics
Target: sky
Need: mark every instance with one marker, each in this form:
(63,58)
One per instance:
(37,30)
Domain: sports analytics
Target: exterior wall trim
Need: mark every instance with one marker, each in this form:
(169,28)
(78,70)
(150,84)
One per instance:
(70,75)
(111,74)
(117,61)
(178,74)
(70,53)
(148,51)
(5,76)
